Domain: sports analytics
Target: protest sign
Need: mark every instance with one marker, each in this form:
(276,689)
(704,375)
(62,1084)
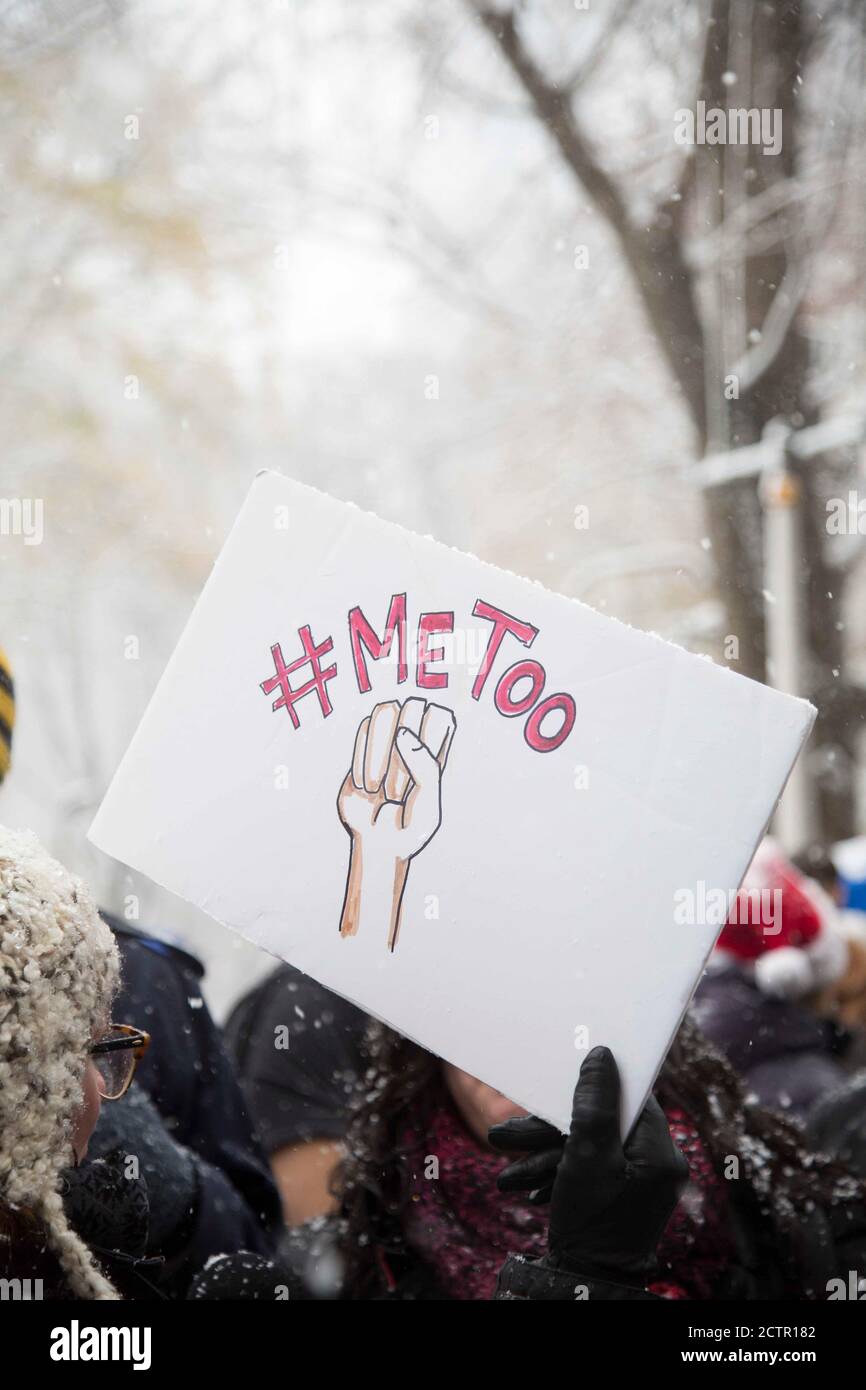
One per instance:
(473,807)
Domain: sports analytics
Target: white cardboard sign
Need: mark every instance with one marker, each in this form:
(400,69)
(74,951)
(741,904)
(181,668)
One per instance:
(471,806)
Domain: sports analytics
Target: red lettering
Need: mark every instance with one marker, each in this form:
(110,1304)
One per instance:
(429,623)
(361,634)
(519,671)
(545,743)
(502,623)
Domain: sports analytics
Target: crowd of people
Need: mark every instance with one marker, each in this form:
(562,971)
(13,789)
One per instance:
(308,1152)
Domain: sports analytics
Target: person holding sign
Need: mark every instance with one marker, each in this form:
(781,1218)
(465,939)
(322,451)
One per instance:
(447,1190)
(584,755)
(392,860)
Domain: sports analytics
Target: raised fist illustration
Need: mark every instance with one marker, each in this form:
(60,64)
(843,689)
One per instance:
(391,806)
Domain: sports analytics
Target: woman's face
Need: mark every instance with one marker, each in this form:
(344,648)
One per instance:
(88,1113)
(479,1105)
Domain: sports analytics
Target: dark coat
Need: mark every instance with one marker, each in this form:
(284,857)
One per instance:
(837,1124)
(787,1056)
(830,1243)
(210,1185)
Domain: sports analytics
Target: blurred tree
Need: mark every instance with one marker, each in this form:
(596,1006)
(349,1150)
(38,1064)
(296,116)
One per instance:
(723,264)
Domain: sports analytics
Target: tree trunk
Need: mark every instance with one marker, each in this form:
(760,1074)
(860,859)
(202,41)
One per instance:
(732,339)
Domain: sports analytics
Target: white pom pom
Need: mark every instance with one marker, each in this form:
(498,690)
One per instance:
(828,955)
(785,973)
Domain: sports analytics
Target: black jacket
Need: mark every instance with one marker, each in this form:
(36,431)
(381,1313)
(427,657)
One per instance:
(210,1186)
(788,1056)
(837,1124)
(831,1243)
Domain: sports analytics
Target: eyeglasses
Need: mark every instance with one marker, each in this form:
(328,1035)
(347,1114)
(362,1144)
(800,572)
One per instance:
(116,1056)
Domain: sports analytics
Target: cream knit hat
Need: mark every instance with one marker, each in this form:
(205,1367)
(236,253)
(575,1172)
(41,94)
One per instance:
(59,969)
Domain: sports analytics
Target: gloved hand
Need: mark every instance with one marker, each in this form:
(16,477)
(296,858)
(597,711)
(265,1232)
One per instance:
(107,1208)
(609,1201)
(243,1275)
(135,1126)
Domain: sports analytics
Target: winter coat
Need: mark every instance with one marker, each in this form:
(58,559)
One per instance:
(721,1244)
(211,1188)
(837,1124)
(787,1056)
(831,1244)
(194,1210)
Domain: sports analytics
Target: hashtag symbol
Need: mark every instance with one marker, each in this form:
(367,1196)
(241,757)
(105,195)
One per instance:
(318,681)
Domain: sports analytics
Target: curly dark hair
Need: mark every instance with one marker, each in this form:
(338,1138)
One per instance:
(784,1181)
(402,1079)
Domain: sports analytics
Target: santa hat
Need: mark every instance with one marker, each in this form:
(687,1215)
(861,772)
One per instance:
(784,929)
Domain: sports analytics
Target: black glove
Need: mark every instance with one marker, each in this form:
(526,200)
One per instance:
(108,1209)
(136,1126)
(609,1202)
(243,1275)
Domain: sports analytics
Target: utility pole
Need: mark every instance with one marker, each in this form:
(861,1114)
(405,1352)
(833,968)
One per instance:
(781,496)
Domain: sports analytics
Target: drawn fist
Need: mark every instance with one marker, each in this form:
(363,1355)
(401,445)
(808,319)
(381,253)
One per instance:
(390,804)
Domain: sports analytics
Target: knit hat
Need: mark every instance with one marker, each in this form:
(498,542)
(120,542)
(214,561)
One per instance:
(59,968)
(7,713)
(784,929)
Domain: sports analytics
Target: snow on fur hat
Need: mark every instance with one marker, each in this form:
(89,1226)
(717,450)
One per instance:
(784,928)
(59,968)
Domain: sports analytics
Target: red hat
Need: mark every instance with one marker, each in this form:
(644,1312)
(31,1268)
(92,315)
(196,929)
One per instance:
(784,928)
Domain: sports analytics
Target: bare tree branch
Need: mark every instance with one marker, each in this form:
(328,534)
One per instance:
(589,61)
(653,252)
